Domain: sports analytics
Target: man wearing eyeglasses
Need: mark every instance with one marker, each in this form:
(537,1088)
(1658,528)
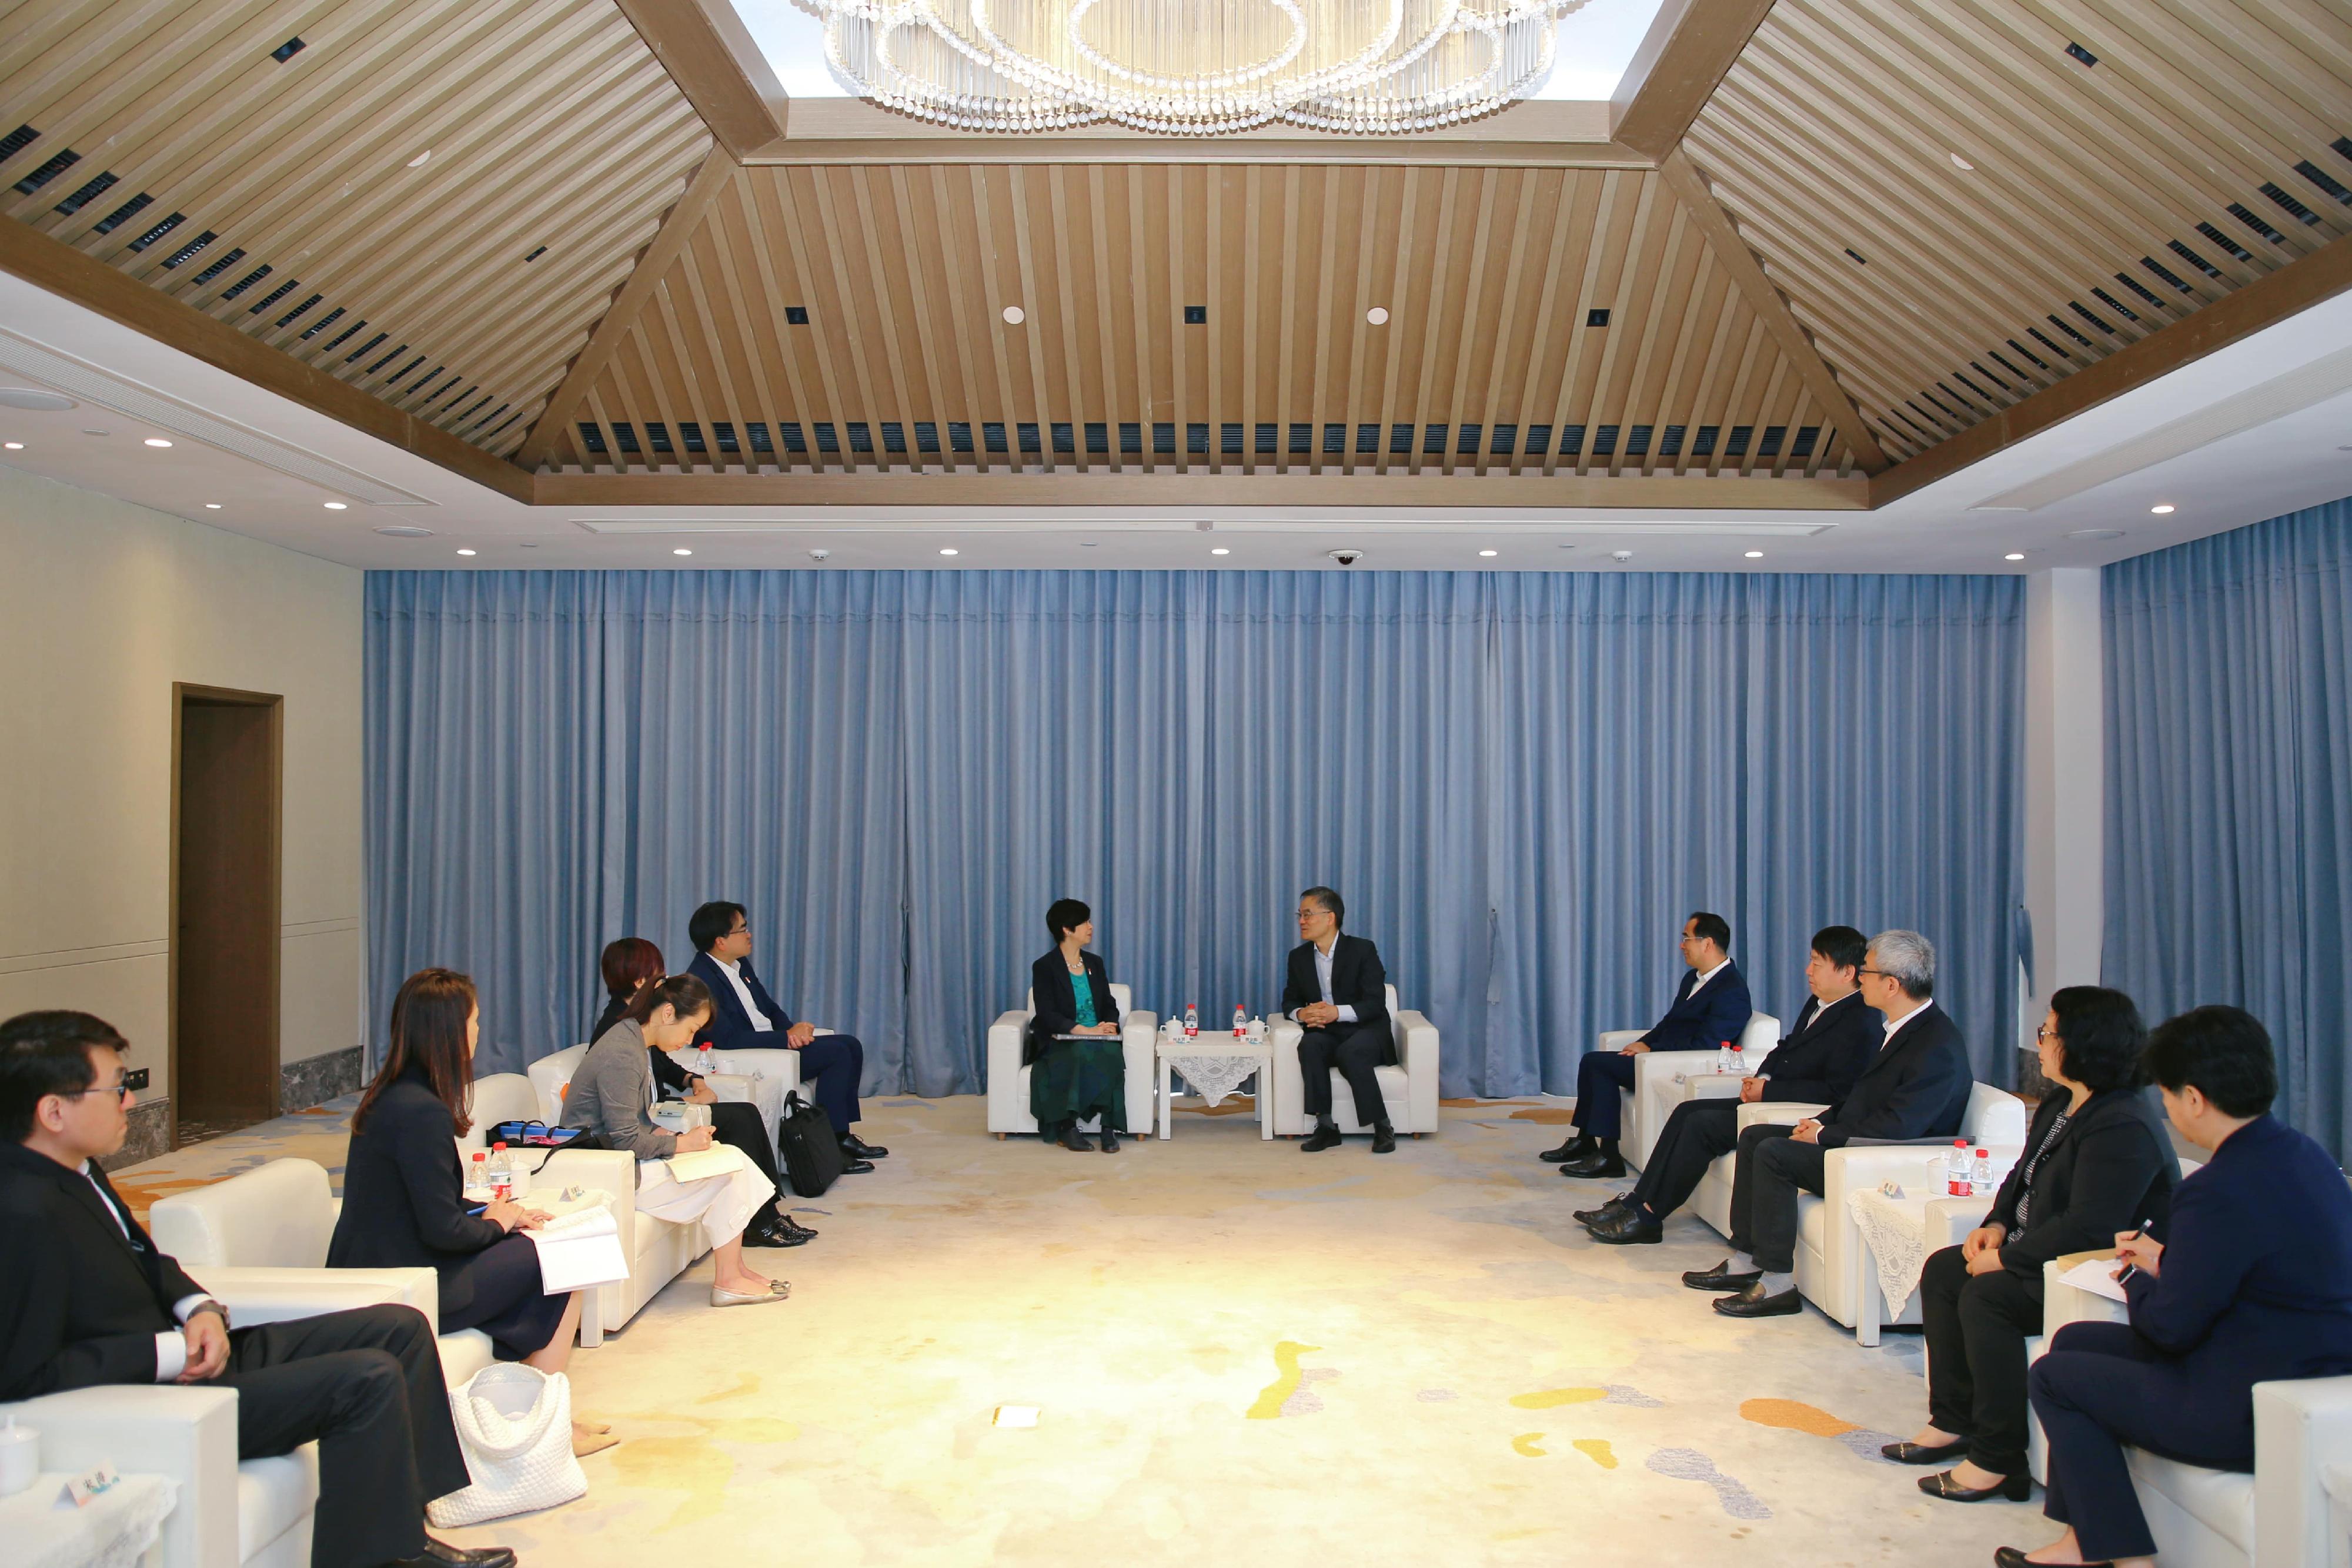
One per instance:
(86,1300)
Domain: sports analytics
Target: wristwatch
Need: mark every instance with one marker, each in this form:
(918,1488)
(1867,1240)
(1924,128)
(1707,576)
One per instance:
(209,1305)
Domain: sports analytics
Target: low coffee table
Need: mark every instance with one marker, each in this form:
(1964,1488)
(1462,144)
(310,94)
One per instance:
(1215,1065)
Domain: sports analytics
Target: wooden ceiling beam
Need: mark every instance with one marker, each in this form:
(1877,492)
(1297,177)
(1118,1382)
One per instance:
(676,228)
(2319,276)
(711,55)
(53,265)
(1732,253)
(1687,51)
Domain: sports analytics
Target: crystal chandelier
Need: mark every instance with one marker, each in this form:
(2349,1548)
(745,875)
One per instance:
(1192,67)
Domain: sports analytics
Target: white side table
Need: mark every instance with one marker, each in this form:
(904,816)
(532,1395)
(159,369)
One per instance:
(1221,1056)
(1897,1234)
(115,1530)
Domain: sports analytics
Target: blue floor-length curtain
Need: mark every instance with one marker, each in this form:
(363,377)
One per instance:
(2229,790)
(1521,782)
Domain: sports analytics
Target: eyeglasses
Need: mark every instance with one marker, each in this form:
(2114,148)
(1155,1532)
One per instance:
(117,1089)
(1879,974)
(2043,1031)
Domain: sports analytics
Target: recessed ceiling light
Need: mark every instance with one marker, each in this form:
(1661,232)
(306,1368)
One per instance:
(418,161)
(34,398)
(681,551)
(87,431)
(2097,534)
(1960,163)
(405,531)
(1756,555)
(2013,555)
(465,552)
(1220,549)
(13,446)
(948,551)
(1378,315)
(1087,544)
(2162,510)
(1486,552)
(158,441)
(338,507)
(1014,314)
(211,506)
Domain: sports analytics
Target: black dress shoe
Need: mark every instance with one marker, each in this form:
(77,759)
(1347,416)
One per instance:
(1384,1138)
(1323,1137)
(1631,1228)
(778,1236)
(791,1227)
(1595,1167)
(1925,1453)
(1614,1207)
(857,1148)
(1075,1141)
(1576,1148)
(441,1554)
(1110,1141)
(2015,1557)
(856,1167)
(2013,1488)
(1752,1302)
(1722,1277)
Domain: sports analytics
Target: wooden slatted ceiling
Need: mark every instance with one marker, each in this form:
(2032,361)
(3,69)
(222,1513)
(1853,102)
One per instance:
(906,360)
(2106,200)
(549,122)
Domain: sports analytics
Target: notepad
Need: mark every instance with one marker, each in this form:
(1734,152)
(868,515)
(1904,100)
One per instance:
(700,1163)
(579,1250)
(2096,1276)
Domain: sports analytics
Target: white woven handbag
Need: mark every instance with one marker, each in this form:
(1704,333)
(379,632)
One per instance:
(515,1424)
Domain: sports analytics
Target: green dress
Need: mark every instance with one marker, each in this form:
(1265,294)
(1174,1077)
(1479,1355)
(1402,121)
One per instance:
(1076,1079)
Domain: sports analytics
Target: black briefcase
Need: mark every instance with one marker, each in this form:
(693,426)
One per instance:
(811,1148)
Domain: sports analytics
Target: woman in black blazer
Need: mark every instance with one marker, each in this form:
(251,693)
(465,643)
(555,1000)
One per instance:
(404,1192)
(2096,1161)
(1071,1080)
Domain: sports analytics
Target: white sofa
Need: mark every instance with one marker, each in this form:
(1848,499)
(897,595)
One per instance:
(1655,1093)
(2279,1516)
(1830,1254)
(1407,1089)
(256,1514)
(657,1249)
(1008,1078)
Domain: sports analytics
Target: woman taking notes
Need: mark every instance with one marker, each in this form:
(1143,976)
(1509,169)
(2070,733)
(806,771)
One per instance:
(1071,1080)
(404,1192)
(612,1095)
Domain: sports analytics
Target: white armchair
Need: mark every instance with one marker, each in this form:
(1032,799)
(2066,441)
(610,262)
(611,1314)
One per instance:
(1655,1093)
(2279,1516)
(1407,1089)
(1008,1079)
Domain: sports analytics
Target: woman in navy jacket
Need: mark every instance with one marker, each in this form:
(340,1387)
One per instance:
(2253,1283)
(403,1193)
(1072,1079)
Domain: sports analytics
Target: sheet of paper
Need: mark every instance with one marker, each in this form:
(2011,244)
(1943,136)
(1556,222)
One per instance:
(2096,1276)
(572,1261)
(694,1167)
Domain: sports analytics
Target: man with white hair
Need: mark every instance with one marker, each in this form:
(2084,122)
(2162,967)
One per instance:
(1915,1087)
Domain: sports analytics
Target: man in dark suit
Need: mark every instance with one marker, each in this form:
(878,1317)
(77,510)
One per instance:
(1916,1086)
(1817,1062)
(1710,1008)
(87,1299)
(1335,991)
(744,1016)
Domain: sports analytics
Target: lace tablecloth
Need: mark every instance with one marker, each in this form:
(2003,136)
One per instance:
(1896,1232)
(113,1531)
(1214,1077)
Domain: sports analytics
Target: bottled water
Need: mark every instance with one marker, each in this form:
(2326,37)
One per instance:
(1191,1021)
(1980,1176)
(501,1172)
(1722,1057)
(1960,1180)
(702,1059)
(478,1177)
(1738,1060)
(1241,1022)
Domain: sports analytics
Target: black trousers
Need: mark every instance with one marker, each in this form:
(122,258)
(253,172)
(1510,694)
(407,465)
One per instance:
(1770,1169)
(2101,1386)
(1976,1326)
(737,1126)
(366,1386)
(1601,1080)
(1355,1050)
(498,1290)
(1699,1132)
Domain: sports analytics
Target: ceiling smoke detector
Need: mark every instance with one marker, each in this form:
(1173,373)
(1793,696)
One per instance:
(405,531)
(819,554)
(1621,556)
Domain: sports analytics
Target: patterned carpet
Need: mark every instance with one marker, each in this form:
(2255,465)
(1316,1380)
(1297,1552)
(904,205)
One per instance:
(1239,1353)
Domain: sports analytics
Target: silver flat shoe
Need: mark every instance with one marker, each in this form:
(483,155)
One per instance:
(776,1292)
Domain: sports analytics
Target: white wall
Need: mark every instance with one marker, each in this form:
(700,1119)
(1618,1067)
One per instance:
(2065,783)
(107,605)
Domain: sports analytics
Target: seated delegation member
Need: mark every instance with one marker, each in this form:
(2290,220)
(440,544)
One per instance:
(1916,1086)
(1710,1006)
(1817,1062)
(86,1300)
(2253,1283)
(612,1095)
(746,1016)
(404,1192)
(1072,1079)
(2097,1161)
(631,962)
(1337,992)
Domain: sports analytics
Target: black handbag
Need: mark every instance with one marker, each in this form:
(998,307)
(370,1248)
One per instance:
(811,1150)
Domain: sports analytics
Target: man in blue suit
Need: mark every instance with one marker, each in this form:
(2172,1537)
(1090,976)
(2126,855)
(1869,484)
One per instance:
(1711,1007)
(744,1016)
